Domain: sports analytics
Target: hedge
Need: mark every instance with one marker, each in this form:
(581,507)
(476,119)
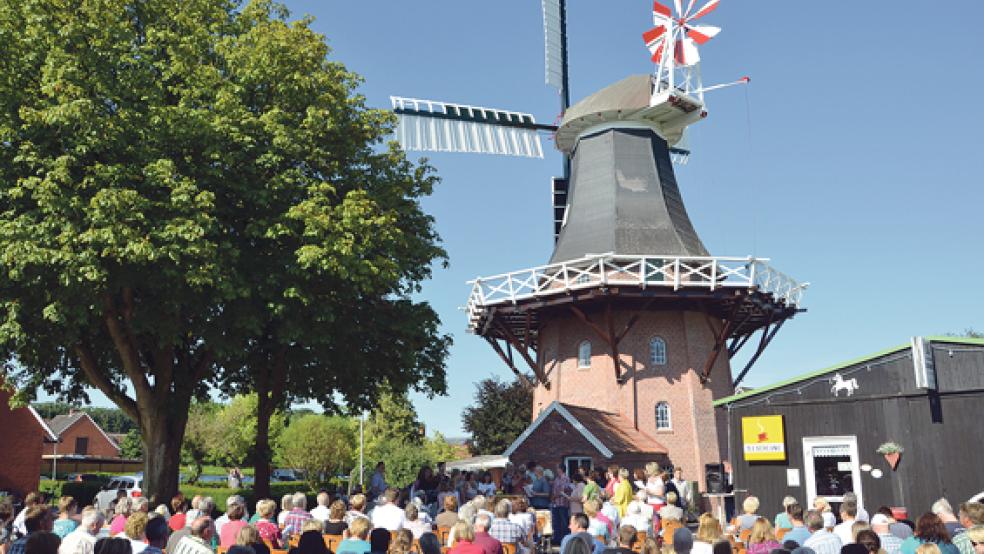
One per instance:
(277,491)
(83,493)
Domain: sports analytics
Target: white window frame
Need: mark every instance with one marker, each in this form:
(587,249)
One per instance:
(669,416)
(652,351)
(580,359)
(578,460)
(808,468)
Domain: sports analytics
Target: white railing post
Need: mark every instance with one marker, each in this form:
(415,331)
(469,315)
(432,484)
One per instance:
(676,274)
(603,276)
(714,267)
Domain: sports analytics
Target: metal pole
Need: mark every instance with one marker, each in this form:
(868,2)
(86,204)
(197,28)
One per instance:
(362,449)
(565,89)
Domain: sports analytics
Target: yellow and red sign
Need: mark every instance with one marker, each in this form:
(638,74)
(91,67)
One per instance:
(763,438)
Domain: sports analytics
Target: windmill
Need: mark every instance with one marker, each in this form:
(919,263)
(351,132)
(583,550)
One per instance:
(629,319)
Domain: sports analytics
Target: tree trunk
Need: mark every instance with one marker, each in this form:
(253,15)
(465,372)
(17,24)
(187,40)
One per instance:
(163,431)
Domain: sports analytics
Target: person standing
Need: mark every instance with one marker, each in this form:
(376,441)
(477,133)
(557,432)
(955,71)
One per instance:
(577,492)
(540,490)
(560,505)
(377,484)
(623,492)
(682,487)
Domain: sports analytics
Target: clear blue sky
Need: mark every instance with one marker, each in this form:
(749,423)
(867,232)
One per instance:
(853,160)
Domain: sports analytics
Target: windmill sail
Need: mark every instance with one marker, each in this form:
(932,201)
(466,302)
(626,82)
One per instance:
(434,126)
(553,43)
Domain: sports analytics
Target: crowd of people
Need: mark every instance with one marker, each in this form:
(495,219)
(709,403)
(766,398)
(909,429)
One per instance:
(531,509)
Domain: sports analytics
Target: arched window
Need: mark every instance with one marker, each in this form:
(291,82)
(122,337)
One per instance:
(584,354)
(663,417)
(657,351)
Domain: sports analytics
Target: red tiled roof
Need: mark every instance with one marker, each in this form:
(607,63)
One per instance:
(615,431)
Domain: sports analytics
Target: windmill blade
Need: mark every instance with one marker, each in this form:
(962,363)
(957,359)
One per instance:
(434,126)
(708,8)
(661,11)
(678,5)
(685,52)
(553,43)
(702,33)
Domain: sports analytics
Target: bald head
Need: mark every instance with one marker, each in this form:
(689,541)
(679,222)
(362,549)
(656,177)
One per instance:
(202,528)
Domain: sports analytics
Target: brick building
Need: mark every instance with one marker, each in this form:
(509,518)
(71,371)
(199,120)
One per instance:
(23,437)
(630,328)
(79,435)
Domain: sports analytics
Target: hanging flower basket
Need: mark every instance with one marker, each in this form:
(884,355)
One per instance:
(892,452)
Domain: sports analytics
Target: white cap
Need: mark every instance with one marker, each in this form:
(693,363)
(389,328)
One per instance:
(879,519)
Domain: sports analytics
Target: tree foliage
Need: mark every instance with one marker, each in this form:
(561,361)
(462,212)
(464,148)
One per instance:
(233,439)
(131,447)
(185,182)
(196,446)
(501,412)
(321,446)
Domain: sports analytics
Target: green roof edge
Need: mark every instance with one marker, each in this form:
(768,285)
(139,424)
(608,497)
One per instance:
(842,365)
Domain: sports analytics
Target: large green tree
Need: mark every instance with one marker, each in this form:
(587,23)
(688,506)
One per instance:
(501,412)
(322,446)
(182,182)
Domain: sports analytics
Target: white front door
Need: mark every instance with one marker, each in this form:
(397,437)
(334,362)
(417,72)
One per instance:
(831,468)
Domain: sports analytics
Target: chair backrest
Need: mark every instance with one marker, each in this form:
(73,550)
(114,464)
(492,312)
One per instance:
(220,550)
(278,551)
(508,548)
(331,541)
(442,535)
(669,528)
(745,535)
(294,540)
(601,539)
(781,532)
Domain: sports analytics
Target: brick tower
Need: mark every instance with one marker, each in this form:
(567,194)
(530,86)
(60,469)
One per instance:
(632,317)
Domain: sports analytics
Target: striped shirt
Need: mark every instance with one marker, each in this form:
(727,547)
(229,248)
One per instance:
(294,521)
(192,545)
(824,542)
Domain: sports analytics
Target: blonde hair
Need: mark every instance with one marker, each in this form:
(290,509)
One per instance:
(649,546)
(591,507)
(266,507)
(709,530)
(623,473)
(358,502)
(671,498)
(450,503)
(821,504)
(247,535)
(652,469)
(857,527)
(123,506)
(135,525)
(65,504)
(463,531)
(761,532)
(928,548)
(750,505)
(287,502)
(313,524)
(359,527)
(402,542)
(976,533)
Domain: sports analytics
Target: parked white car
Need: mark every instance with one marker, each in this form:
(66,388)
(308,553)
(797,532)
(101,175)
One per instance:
(129,483)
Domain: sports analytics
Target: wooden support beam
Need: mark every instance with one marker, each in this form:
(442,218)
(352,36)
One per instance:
(616,361)
(632,321)
(498,350)
(767,337)
(594,327)
(523,352)
(719,340)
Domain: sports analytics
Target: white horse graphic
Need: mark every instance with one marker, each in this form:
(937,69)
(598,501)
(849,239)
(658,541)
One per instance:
(849,385)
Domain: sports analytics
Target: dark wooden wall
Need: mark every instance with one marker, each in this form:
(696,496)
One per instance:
(942,431)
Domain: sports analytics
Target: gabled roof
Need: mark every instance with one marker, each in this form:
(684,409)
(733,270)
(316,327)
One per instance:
(61,423)
(842,365)
(609,433)
(49,435)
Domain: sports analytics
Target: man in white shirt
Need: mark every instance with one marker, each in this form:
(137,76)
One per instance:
(200,539)
(848,511)
(682,487)
(388,515)
(83,539)
(821,540)
(321,512)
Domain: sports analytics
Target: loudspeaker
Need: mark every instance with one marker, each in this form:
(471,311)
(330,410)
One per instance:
(714,476)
